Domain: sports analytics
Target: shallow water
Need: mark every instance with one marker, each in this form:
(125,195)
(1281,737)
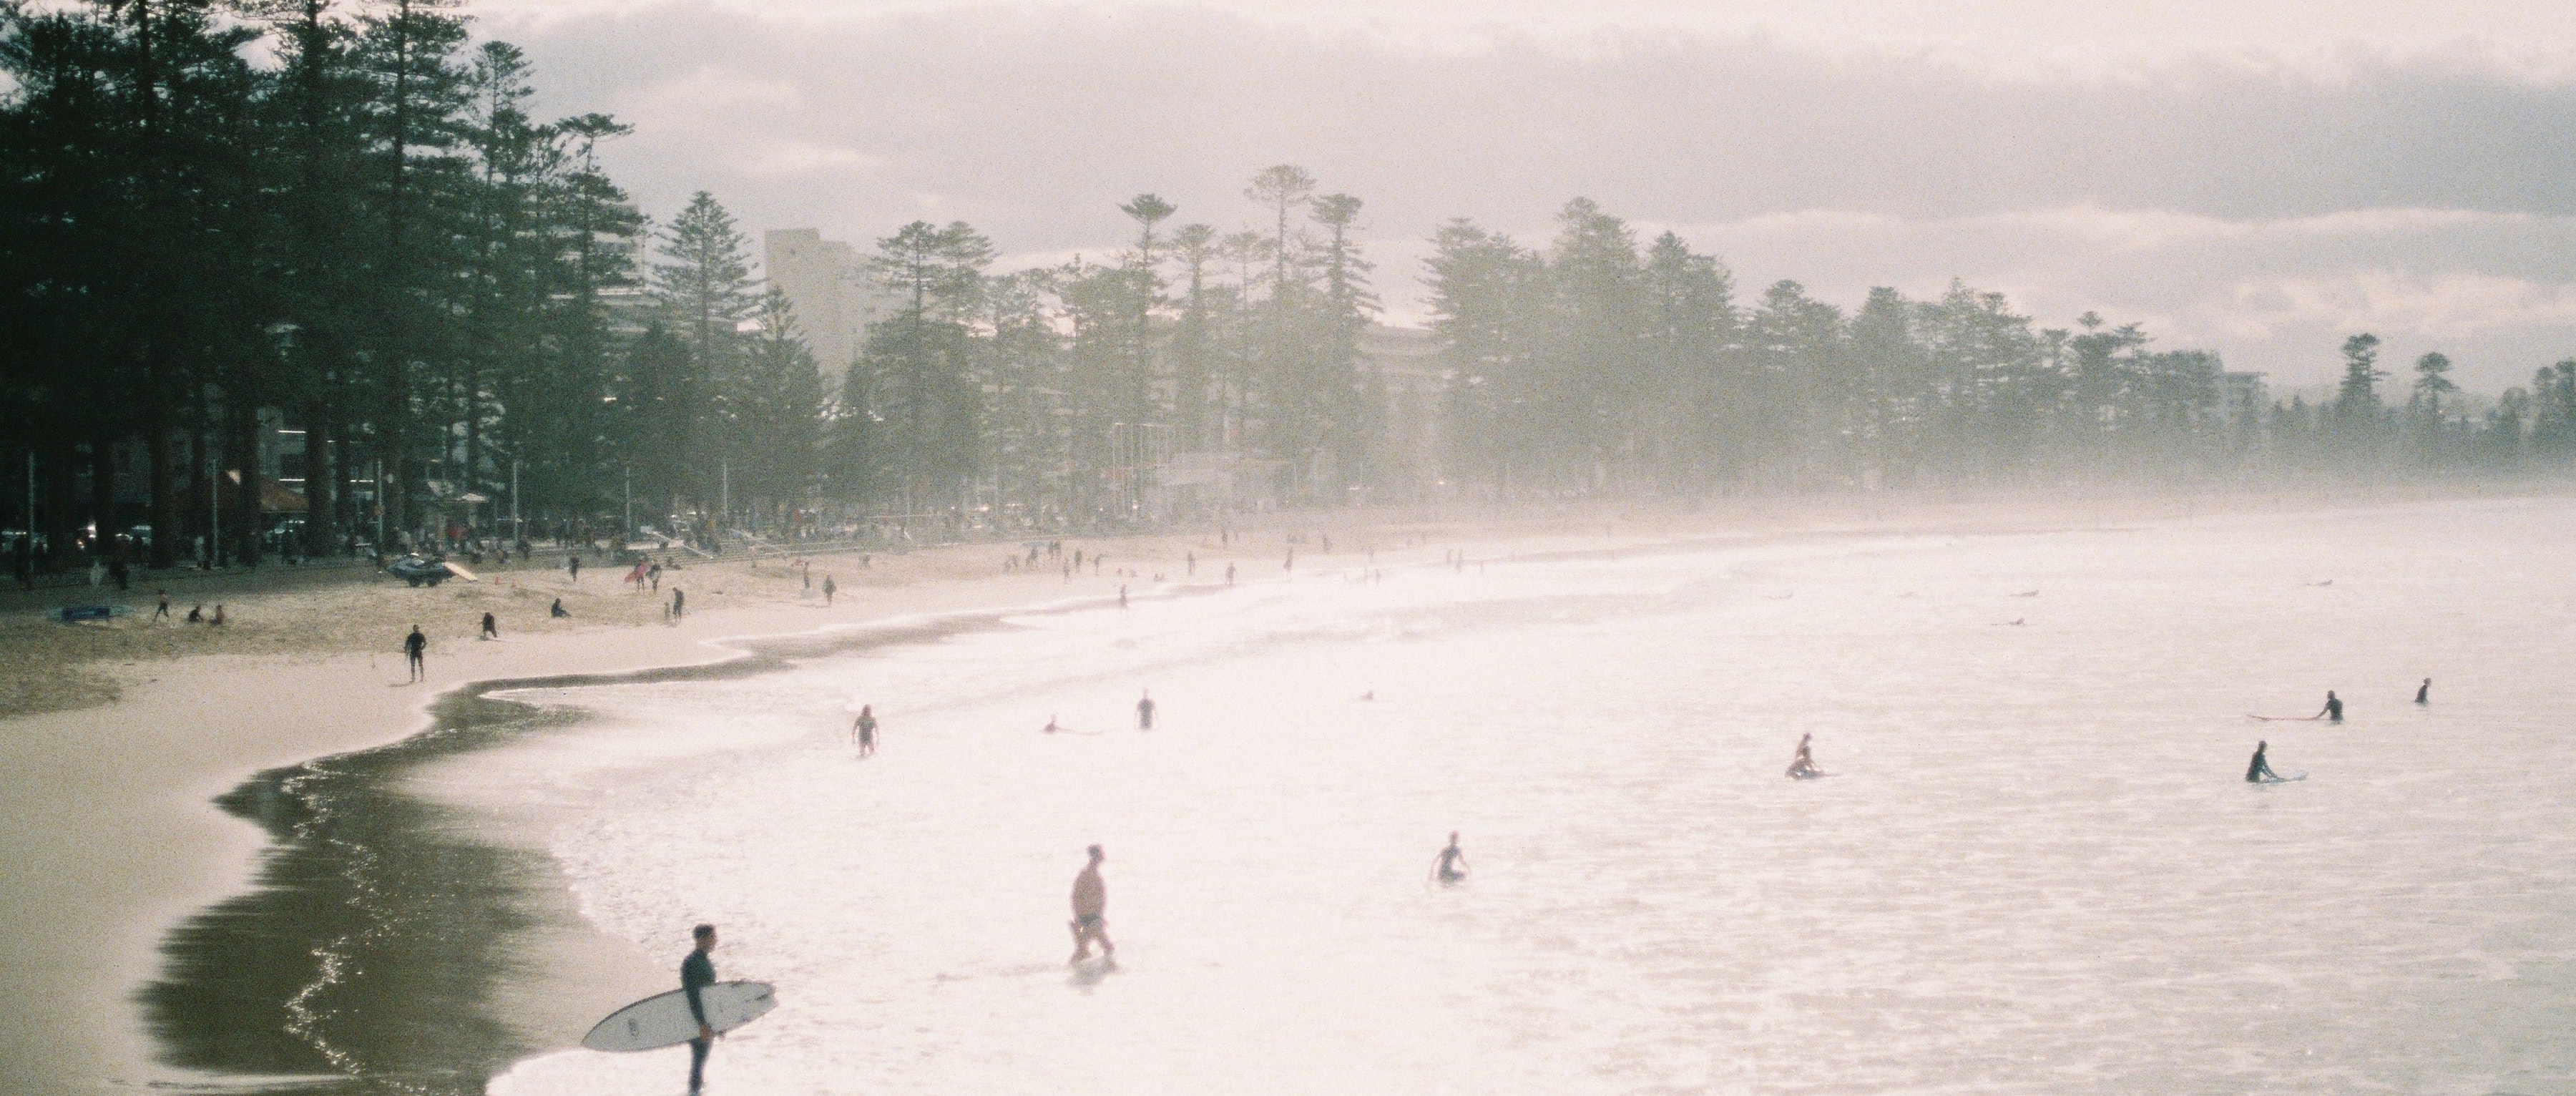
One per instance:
(2038,869)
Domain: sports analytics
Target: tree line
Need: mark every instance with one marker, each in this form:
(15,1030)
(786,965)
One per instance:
(341,217)
(1600,362)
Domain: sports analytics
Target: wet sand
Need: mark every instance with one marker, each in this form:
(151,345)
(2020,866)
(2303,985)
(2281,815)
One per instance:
(132,890)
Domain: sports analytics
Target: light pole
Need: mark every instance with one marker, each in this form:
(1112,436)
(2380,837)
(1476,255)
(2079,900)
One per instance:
(517,530)
(627,475)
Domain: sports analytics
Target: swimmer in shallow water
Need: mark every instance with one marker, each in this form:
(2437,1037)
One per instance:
(1452,865)
(2333,711)
(1803,766)
(2260,770)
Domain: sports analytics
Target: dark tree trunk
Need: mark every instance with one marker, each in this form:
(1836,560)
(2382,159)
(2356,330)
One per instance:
(245,449)
(102,490)
(162,485)
(321,481)
(54,472)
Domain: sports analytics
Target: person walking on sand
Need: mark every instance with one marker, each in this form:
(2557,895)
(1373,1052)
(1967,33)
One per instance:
(1122,595)
(572,567)
(865,730)
(1452,864)
(1090,906)
(492,628)
(2423,692)
(2333,711)
(1229,574)
(828,590)
(1145,711)
(697,972)
(415,650)
(163,613)
(679,603)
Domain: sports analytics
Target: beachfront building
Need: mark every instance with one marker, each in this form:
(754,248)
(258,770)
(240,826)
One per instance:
(834,300)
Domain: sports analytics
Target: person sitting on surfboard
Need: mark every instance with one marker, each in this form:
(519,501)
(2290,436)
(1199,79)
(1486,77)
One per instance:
(2260,770)
(1803,766)
(1090,902)
(1452,865)
(2333,711)
(697,972)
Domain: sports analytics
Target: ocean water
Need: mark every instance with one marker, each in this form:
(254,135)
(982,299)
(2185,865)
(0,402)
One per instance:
(2037,870)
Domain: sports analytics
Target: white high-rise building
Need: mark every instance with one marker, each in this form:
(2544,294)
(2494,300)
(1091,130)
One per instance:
(834,299)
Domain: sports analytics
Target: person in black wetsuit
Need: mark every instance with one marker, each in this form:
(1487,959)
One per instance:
(2333,711)
(2424,692)
(1803,766)
(865,730)
(697,972)
(2260,770)
(415,646)
(1452,865)
(1145,712)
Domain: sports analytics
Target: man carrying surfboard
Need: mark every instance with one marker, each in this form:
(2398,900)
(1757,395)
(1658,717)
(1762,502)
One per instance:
(697,972)
(1090,901)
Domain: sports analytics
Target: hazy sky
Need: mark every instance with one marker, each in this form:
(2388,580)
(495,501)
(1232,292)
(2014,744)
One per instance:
(2261,179)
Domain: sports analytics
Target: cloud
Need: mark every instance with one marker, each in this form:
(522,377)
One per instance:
(2154,186)
(799,159)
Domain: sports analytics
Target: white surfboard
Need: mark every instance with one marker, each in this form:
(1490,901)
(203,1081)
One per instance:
(664,1020)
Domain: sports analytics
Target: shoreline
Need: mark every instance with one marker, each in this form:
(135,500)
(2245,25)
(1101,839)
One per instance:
(122,828)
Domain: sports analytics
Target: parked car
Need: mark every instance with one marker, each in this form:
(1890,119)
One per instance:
(419,570)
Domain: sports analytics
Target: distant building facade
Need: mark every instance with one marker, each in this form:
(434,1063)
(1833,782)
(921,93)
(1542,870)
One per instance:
(834,299)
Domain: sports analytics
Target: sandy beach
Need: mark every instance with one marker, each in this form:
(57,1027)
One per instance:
(121,735)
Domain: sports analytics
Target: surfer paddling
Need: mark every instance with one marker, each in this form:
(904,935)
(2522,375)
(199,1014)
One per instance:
(1090,903)
(1452,864)
(697,972)
(1803,766)
(2261,770)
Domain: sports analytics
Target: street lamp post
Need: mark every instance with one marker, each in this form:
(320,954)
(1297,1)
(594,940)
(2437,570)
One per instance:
(517,530)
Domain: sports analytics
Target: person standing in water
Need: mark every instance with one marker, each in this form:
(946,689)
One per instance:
(1090,905)
(415,652)
(865,730)
(2424,692)
(1803,766)
(2333,711)
(1452,864)
(697,972)
(1145,711)
(2260,770)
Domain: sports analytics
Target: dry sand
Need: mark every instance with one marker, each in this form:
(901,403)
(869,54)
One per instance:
(107,822)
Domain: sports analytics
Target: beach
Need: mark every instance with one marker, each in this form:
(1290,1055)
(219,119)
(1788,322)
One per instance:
(110,814)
